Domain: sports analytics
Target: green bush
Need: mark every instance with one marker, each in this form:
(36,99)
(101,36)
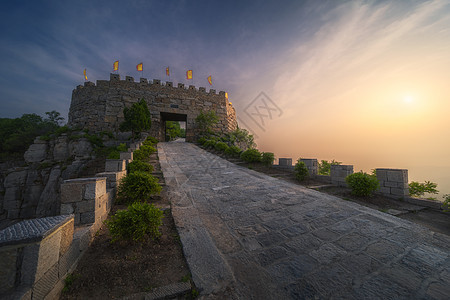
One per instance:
(138,165)
(233,151)
(362,184)
(446,204)
(417,189)
(151,139)
(251,155)
(221,146)
(122,147)
(300,170)
(325,166)
(209,144)
(114,153)
(143,152)
(267,158)
(202,140)
(137,186)
(135,222)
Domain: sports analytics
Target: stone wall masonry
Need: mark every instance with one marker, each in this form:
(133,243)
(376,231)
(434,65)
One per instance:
(86,198)
(338,174)
(115,165)
(393,182)
(311,165)
(99,107)
(34,256)
(287,162)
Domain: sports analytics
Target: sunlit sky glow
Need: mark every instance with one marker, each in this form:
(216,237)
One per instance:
(363,82)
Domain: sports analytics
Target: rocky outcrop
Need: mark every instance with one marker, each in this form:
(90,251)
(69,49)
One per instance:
(33,189)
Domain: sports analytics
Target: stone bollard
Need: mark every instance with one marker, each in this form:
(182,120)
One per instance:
(393,182)
(115,165)
(338,174)
(285,162)
(112,178)
(126,155)
(86,198)
(312,166)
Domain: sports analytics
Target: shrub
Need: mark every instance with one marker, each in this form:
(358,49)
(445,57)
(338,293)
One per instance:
(151,139)
(201,140)
(143,152)
(446,204)
(300,170)
(221,146)
(114,153)
(362,184)
(251,155)
(122,147)
(417,189)
(209,144)
(138,165)
(137,186)
(135,222)
(325,166)
(267,158)
(206,120)
(233,151)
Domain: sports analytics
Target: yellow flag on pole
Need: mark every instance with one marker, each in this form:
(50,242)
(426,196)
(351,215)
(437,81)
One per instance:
(189,74)
(226,95)
(85,77)
(210,80)
(140,67)
(116,65)
(167,71)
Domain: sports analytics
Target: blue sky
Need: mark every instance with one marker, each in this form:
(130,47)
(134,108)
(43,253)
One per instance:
(363,82)
(47,44)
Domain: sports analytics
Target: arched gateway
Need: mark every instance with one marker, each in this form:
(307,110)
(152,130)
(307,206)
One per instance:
(99,107)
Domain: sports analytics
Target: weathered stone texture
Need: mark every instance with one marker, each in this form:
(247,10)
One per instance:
(100,107)
(393,182)
(339,173)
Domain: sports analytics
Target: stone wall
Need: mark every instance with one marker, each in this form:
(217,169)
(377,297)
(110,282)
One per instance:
(393,182)
(99,107)
(338,174)
(36,255)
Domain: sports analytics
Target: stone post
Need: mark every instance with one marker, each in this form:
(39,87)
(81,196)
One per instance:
(285,162)
(85,198)
(115,165)
(393,182)
(338,174)
(312,166)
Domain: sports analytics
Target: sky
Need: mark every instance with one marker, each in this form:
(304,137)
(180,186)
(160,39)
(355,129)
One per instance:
(362,82)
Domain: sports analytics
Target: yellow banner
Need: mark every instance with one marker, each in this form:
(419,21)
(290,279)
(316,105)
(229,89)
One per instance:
(189,74)
(140,67)
(116,65)
(210,80)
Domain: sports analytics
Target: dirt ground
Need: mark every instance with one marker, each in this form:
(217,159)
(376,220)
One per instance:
(114,270)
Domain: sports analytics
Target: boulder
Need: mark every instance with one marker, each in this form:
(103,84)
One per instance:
(36,153)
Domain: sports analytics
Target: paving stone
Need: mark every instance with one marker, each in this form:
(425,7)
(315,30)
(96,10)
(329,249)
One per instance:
(294,243)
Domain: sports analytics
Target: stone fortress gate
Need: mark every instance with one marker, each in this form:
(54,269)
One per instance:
(99,107)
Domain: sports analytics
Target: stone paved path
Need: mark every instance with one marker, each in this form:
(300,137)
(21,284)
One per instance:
(250,236)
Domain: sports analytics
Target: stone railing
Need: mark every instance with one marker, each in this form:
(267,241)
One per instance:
(36,255)
(393,182)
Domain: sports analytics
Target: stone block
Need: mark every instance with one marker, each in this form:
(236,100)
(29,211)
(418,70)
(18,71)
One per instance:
(67,208)
(85,206)
(390,184)
(48,253)
(126,155)
(71,191)
(95,188)
(36,153)
(66,237)
(44,285)
(384,190)
(87,217)
(381,174)
(8,269)
(285,161)
(399,192)
(68,259)
(82,237)
(115,165)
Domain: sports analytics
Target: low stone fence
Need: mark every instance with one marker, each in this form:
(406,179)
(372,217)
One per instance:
(393,182)
(36,255)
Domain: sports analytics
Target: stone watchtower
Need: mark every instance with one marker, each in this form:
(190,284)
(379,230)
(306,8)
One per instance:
(99,107)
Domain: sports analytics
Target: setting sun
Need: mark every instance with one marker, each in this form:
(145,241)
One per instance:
(408,99)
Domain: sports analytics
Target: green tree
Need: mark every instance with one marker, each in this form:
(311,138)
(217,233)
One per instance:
(137,118)
(417,189)
(300,170)
(362,184)
(205,121)
(325,166)
(173,130)
(54,117)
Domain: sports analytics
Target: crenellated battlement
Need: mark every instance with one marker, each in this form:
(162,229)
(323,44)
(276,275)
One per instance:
(143,83)
(99,106)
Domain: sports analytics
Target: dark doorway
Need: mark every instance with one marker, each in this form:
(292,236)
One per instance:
(172,124)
